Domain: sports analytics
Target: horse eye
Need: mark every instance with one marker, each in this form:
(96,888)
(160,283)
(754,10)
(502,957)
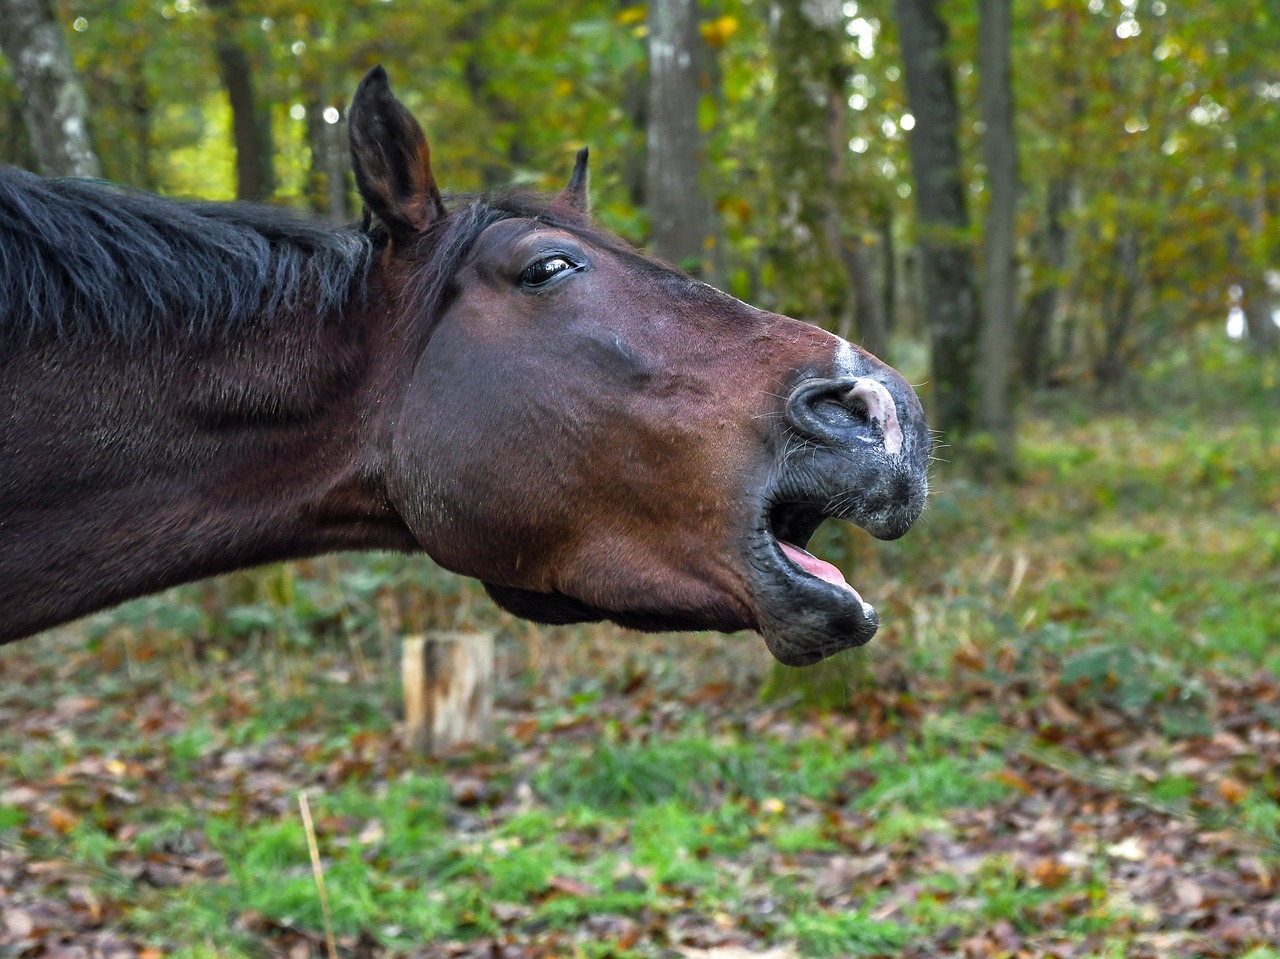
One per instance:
(545,270)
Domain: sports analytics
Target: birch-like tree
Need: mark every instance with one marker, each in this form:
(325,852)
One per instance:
(54,107)
(999,293)
(679,215)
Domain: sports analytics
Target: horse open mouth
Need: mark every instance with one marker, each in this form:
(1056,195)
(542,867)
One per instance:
(806,609)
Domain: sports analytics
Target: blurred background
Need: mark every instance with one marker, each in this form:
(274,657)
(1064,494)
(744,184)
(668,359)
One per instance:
(1058,219)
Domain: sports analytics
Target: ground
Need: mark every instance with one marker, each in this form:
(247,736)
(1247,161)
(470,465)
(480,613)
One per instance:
(1064,742)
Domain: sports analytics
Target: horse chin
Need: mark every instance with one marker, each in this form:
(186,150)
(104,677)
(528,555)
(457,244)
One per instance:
(804,620)
(805,610)
(557,609)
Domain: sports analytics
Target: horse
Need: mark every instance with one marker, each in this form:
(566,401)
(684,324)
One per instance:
(192,388)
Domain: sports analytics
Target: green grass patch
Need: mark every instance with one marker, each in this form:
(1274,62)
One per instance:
(833,935)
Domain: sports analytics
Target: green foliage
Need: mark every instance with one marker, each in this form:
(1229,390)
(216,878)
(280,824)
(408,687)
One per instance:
(926,781)
(11,817)
(620,775)
(834,935)
(1140,682)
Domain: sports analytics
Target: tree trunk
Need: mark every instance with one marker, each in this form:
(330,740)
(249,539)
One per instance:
(55,109)
(1112,358)
(140,106)
(873,327)
(679,215)
(250,121)
(338,168)
(1264,335)
(948,289)
(327,192)
(329,174)
(1042,305)
(889,288)
(1050,244)
(866,310)
(999,294)
(809,43)
(448,691)
(15,141)
(1258,302)
(1249,256)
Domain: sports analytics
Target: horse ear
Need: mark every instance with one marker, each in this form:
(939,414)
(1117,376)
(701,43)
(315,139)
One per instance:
(575,195)
(391,159)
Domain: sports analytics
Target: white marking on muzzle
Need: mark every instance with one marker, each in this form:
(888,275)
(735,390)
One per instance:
(846,358)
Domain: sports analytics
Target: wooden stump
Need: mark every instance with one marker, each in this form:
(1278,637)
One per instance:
(448,691)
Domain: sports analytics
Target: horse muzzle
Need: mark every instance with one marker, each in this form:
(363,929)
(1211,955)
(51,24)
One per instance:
(854,447)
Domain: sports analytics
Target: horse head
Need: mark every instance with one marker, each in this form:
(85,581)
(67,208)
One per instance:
(594,434)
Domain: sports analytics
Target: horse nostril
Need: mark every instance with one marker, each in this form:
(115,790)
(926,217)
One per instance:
(857,406)
(820,408)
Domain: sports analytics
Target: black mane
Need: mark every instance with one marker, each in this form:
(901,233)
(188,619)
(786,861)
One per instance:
(84,257)
(79,256)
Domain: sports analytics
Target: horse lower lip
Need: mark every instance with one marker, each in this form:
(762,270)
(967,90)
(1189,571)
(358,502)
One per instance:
(806,610)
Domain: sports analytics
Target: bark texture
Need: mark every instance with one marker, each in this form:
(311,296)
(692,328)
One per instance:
(250,122)
(680,216)
(55,109)
(824,266)
(1000,153)
(948,287)
(1250,256)
(448,691)
(1049,248)
(1050,245)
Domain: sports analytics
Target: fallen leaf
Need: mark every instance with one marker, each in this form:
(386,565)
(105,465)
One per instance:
(1189,892)
(1012,779)
(570,887)
(1060,713)
(18,924)
(62,820)
(1050,873)
(1232,790)
(1130,849)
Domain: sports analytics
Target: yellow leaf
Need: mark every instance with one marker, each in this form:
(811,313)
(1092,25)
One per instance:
(1049,872)
(717,32)
(1232,790)
(1010,778)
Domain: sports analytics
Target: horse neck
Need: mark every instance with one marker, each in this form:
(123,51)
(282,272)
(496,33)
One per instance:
(128,469)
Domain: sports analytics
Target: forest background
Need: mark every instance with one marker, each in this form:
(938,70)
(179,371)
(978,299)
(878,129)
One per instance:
(1059,218)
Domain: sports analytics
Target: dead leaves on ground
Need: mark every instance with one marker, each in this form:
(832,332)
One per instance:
(1069,842)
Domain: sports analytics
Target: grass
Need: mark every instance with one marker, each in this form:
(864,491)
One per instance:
(1053,662)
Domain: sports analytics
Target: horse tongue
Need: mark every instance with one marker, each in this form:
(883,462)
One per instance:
(816,567)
